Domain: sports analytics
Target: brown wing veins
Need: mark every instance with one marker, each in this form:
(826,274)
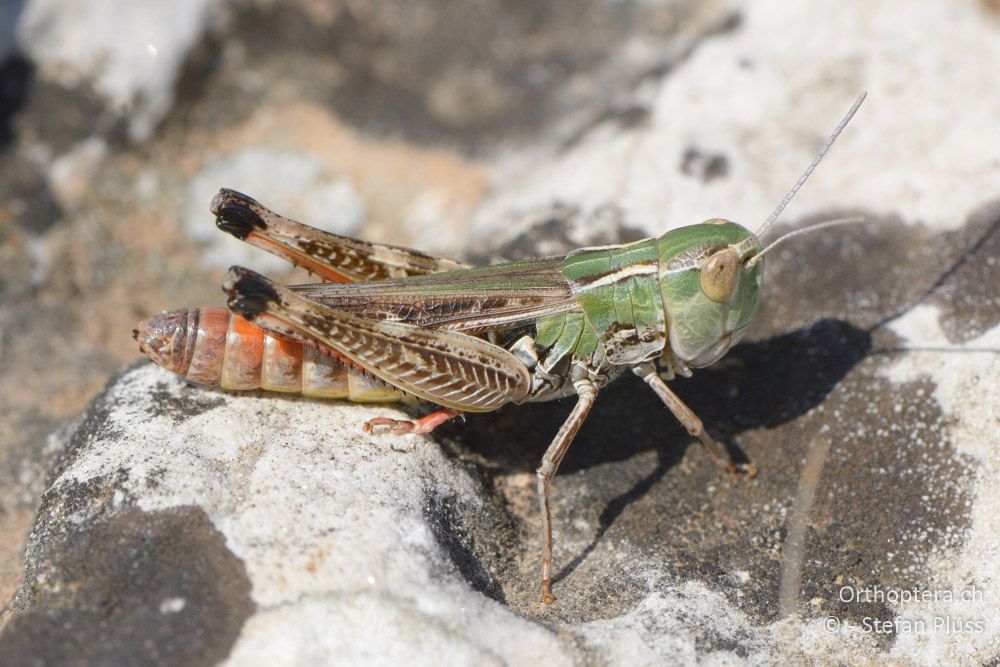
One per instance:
(445,367)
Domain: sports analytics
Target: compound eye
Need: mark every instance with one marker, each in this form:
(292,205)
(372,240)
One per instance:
(719,274)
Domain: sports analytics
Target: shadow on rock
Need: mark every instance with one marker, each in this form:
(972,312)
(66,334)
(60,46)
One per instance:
(759,384)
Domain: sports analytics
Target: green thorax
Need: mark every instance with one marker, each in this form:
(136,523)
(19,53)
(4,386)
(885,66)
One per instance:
(640,300)
(568,337)
(616,288)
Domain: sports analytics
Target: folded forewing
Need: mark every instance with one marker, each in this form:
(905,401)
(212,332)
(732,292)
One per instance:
(471,300)
(445,367)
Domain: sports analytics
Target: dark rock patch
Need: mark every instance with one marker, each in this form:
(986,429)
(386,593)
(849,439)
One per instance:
(16,74)
(968,290)
(27,199)
(180,408)
(133,588)
(463,75)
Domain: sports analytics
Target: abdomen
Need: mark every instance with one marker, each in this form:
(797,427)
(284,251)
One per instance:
(211,346)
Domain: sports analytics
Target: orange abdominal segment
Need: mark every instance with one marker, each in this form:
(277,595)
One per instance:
(244,355)
(209,346)
(212,346)
(281,369)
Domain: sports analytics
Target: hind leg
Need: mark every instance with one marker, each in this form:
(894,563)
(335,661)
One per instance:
(331,257)
(389,426)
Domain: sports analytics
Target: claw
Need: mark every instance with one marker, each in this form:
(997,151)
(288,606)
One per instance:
(733,468)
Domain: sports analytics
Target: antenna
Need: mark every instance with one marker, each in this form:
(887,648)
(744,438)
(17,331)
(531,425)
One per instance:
(812,228)
(802,179)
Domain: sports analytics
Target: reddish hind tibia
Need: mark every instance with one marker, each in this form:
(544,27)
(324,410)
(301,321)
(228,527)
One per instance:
(387,425)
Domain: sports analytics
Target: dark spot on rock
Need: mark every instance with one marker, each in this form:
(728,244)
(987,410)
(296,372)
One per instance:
(709,641)
(155,477)
(893,492)
(833,272)
(956,271)
(703,165)
(132,588)
(16,74)
(630,116)
(197,80)
(634,115)
(180,407)
(624,118)
(91,498)
(61,115)
(728,24)
(25,197)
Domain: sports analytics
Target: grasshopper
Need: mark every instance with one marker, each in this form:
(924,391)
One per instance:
(403,325)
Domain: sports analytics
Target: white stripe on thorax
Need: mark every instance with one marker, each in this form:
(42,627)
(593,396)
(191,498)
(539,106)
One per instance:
(640,269)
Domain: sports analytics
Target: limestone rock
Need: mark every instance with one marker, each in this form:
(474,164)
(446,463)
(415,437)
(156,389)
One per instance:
(181,525)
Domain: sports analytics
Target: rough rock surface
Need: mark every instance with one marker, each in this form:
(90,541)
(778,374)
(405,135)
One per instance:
(180,525)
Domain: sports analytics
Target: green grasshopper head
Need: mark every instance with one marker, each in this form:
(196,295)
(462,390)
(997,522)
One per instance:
(710,288)
(710,275)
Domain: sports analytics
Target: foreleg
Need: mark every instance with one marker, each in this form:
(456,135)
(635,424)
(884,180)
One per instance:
(690,420)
